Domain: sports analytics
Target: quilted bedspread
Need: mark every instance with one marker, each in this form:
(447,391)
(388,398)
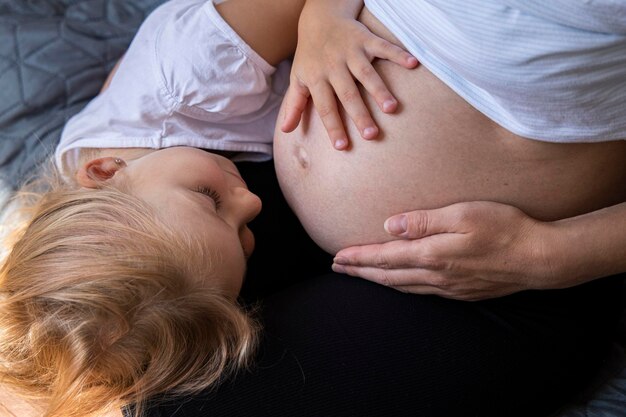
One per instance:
(54,57)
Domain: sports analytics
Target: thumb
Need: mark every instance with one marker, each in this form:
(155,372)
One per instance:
(421,223)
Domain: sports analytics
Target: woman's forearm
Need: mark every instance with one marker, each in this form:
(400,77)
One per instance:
(591,245)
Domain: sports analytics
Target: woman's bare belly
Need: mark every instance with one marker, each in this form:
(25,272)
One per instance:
(434,151)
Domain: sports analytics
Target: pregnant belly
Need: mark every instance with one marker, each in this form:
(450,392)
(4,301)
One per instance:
(434,151)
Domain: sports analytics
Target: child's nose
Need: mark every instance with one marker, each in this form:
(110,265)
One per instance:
(248,204)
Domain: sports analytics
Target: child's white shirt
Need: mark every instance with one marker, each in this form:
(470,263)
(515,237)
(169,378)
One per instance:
(187,79)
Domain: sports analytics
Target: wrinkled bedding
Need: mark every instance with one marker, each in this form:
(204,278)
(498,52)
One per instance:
(54,57)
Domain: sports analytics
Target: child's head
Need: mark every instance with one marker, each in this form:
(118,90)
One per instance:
(126,287)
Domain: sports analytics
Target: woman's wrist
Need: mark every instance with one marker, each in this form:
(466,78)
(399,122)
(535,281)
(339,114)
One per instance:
(585,247)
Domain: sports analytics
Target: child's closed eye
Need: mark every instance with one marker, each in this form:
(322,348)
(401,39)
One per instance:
(212,194)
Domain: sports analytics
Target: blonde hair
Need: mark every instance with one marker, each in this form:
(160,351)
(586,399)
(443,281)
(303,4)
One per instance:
(98,308)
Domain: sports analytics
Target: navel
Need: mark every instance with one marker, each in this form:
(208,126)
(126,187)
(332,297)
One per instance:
(302,157)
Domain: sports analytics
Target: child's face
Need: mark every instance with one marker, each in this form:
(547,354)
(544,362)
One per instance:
(202,194)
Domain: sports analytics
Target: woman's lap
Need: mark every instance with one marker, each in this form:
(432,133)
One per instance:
(340,346)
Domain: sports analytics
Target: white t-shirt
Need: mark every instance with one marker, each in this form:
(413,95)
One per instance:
(187,79)
(551,70)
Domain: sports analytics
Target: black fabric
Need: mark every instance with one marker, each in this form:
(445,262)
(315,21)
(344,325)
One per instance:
(283,254)
(340,346)
(54,57)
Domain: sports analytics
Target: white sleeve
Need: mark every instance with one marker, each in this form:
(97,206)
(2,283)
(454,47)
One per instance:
(184,67)
(207,69)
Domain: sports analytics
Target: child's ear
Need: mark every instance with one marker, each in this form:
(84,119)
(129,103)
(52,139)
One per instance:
(97,171)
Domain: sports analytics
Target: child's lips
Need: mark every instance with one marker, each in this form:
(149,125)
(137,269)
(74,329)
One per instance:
(247,244)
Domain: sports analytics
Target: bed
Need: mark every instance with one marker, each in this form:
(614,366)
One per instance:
(54,57)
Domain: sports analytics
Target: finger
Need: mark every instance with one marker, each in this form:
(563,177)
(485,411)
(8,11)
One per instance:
(326,106)
(374,255)
(421,281)
(393,277)
(383,49)
(365,73)
(387,278)
(421,223)
(295,103)
(350,97)
(438,252)
(431,253)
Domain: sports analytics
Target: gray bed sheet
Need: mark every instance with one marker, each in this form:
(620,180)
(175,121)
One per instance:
(54,57)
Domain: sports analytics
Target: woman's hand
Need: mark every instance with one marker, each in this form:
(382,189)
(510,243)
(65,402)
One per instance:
(465,251)
(333,50)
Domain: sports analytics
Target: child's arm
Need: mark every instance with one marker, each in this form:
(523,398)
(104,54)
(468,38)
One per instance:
(270,27)
(111,74)
(333,49)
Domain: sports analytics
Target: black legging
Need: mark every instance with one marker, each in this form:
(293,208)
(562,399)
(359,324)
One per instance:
(340,346)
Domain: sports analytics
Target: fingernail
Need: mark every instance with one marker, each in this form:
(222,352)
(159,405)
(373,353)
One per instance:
(338,268)
(396,225)
(341,261)
(340,143)
(388,105)
(369,132)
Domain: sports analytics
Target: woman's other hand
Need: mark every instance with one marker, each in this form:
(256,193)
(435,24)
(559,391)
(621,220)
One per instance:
(465,251)
(334,52)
